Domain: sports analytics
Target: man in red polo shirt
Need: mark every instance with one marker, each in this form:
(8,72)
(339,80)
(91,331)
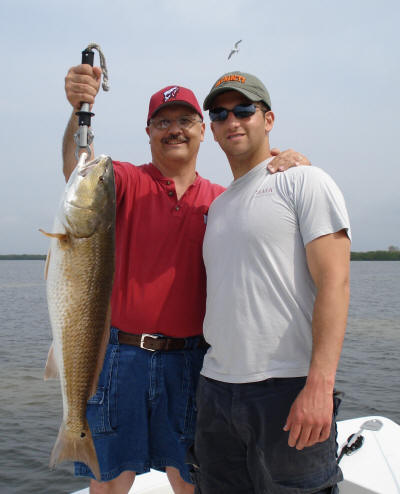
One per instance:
(144,416)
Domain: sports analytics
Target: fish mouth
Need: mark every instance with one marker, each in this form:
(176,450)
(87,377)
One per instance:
(85,170)
(86,167)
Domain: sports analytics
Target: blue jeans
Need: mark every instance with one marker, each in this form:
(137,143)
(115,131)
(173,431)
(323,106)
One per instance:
(143,413)
(240,445)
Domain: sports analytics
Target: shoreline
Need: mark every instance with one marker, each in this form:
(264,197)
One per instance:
(375,255)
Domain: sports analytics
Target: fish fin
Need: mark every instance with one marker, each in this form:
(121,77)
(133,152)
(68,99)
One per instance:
(75,447)
(59,236)
(51,370)
(102,351)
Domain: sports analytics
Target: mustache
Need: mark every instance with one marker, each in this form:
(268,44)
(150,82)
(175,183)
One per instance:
(177,138)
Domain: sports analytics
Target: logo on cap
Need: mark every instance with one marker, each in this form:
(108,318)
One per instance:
(229,78)
(171,93)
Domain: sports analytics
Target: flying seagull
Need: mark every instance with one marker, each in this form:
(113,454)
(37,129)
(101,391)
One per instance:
(235,49)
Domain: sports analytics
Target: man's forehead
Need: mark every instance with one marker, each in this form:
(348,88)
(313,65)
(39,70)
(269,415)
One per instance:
(229,96)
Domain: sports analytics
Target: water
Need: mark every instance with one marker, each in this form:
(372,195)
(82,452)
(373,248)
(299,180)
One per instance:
(369,370)
(30,409)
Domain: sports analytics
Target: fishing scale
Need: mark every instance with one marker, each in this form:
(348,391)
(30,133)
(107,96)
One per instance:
(84,135)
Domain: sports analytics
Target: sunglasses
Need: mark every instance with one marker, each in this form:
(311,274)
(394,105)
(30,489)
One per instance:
(240,111)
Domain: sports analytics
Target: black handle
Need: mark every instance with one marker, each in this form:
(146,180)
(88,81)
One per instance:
(84,117)
(88,57)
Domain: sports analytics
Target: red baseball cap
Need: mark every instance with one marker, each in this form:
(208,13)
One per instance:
(170,95)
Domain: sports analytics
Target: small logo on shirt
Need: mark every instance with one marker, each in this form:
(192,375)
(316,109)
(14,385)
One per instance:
(264,190)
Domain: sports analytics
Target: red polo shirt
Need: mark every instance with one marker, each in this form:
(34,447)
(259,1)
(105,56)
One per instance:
(160,281)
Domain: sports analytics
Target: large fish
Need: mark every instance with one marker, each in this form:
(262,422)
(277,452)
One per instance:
(79,273)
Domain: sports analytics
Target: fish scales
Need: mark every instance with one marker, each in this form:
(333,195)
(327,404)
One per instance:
(85,268)
(79,284)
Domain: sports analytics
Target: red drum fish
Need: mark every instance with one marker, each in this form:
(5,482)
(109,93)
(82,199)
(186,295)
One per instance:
(79,273)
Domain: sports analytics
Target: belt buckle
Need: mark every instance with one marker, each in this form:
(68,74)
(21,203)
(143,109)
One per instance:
(142,337)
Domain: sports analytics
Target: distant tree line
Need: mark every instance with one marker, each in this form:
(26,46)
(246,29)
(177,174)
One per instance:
(392,254)
(22,257)
(376,255)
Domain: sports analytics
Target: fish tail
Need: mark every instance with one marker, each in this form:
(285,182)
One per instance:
(75,447)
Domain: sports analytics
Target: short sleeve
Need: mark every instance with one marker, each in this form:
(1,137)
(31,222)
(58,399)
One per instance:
(319,204)
(125,177)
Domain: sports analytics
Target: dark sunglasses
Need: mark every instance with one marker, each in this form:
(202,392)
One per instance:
(240,111)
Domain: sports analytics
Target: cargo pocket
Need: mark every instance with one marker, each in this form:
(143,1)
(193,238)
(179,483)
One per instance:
(193,364)
(190,418)
(102,407)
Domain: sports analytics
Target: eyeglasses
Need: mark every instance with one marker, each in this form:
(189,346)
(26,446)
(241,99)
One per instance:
(183,122)
(240,111)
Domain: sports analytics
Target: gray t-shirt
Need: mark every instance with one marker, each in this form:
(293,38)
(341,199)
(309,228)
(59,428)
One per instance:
(260,294)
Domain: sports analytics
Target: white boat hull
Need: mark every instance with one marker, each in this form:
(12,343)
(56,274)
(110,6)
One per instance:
(373,469)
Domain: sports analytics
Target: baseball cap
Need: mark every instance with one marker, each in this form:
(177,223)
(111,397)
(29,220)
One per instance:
(170,95)
(246,84)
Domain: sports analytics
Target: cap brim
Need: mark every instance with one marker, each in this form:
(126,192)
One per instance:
(213,94)
(172,103)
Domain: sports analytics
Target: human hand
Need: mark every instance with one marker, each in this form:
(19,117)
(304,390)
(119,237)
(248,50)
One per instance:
(310,418)
(285,160)
(82,84)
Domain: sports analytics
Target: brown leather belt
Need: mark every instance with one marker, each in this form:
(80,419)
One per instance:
(155,343)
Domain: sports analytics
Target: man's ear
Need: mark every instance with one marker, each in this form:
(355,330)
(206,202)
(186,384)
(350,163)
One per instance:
(269,121)
(203,130)
(148,131)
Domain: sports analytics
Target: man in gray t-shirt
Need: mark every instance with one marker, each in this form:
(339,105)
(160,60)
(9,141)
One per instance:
(277,252)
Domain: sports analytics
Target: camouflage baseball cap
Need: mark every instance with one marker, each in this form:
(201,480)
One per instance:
(246,84)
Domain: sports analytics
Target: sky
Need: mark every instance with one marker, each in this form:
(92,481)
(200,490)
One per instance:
(332,70)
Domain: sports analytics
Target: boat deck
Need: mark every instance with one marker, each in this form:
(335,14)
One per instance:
(373,469)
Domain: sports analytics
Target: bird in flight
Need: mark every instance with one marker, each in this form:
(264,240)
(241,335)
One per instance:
(235,49)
